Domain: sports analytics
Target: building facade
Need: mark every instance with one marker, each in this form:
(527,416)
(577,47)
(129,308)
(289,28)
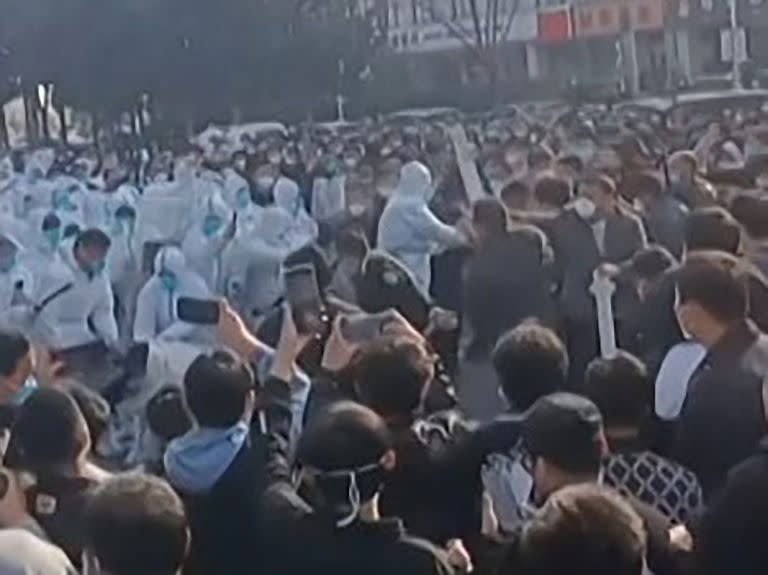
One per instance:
(639,45)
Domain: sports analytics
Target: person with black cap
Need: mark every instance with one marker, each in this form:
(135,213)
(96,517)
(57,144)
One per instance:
(565,443)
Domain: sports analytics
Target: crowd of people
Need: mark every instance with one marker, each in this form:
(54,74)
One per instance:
(451,408)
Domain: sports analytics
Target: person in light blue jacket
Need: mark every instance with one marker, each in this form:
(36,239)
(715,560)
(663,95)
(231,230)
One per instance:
(408,229)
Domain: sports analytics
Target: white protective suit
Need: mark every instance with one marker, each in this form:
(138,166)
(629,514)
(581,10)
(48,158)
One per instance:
(16,288)
(64,322)
(156,305)
(329,198)
(409,231)
(164,213)
(303,229)
(68,202)
(124,268)
(203,248)
(251,264)
(43,249)
(100,206)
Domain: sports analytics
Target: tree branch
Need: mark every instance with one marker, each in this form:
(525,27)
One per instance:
(476,23)
(458,32)
(510,19)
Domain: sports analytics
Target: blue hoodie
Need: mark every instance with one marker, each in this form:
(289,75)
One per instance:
(196,461)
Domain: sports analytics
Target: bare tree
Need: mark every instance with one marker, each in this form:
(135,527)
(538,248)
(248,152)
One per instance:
(482,34)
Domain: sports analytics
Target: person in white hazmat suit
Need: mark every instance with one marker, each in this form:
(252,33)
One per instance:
(44,247)
(303,229)
(124,266)
(409,231)
(251,269)
(156,316)
(206,240)
(67,202)
(74,304)
(16,284)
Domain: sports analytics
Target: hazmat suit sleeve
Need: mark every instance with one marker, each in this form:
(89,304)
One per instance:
(144,325)
(426,224)
(103,317)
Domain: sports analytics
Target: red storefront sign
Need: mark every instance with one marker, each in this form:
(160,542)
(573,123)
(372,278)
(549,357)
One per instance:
(646,14)
(609,19)
(598,20)
(555,25)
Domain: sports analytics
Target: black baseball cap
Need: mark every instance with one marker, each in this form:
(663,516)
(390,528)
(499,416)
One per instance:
(566,430)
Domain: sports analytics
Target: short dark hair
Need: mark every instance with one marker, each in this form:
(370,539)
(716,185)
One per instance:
(712,228)
(539,156)
(531,362)
(752,213)
(50,222)
(572,161)
(719,289)
(391,376)
(514,190)
(345,437)
(49,430)
(136,525)
(216,388)
(13,348)
(490,212)
(621,388)
(584,529)
(599,180)
(125,211)
(651,262)
(93,238)
(552,191)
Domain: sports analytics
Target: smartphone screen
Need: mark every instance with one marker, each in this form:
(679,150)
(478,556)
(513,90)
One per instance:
(363,327)
(198,311)
(303,295)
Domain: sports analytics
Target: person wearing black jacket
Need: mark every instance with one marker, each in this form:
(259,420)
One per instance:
(723,417)
(53,444)
(331,523)
(506,281)
(15,378)
(596,230)
(730,538)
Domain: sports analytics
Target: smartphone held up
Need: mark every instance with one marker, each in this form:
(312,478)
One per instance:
(302,292)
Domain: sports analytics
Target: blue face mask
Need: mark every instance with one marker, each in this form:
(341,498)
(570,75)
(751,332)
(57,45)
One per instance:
(63,203)
(24,392)
(7,265)
(243,199)
(117,228)
(211,226)
(53,237)
(169,280)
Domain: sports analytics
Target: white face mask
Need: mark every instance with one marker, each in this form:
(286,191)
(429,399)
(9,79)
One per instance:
(584,207)
(357,210)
